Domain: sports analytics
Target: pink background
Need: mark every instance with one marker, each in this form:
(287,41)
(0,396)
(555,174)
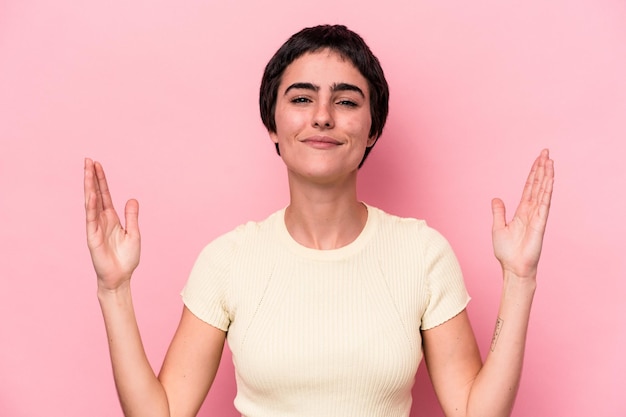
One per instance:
(164,93)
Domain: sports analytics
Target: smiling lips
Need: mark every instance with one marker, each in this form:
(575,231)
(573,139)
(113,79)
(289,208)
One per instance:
(321,142)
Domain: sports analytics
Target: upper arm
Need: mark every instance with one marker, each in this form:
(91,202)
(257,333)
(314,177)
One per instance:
(453,360)
(191,364)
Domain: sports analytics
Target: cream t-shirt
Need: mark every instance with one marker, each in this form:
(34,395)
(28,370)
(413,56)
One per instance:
(326,332)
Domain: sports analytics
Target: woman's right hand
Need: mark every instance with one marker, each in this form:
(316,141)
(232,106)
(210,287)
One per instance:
(114,249)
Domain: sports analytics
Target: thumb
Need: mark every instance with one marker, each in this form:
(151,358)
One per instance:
(499,214)
(131,217)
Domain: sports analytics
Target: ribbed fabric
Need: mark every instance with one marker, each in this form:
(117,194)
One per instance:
(326,332)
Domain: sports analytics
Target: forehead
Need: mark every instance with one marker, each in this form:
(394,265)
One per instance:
(323,68)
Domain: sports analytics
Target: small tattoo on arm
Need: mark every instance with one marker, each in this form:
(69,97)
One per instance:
(496,333)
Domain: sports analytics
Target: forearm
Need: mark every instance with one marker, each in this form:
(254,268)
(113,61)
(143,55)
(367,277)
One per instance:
(495,388)
(139,390)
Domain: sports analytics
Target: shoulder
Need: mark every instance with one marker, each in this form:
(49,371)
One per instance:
(241,238)
(409,230)
(220,267)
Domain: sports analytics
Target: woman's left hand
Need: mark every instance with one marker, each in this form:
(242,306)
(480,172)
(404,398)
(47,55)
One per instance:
(517,244)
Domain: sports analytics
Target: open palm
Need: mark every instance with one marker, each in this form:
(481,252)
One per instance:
(114,249)
(517,244)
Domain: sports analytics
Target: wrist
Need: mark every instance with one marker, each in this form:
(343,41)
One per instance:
(106,293)
(519,284)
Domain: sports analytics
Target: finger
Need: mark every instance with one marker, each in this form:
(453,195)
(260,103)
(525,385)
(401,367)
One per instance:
(527,193)
(91,196)
(93,226)
(103,186)
(88,179)
(131,217)
(538,180)
(93,201)
(499,214)
(97,195)
(546,195)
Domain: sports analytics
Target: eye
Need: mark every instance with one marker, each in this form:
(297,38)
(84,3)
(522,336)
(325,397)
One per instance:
(347,103)
(298,100)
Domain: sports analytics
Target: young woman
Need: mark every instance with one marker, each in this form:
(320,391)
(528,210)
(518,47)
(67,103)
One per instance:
(329,303)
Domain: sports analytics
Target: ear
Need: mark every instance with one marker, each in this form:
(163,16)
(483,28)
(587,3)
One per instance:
(371,141)
(274,139)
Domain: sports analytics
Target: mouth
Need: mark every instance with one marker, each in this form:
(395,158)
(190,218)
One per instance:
(321,141)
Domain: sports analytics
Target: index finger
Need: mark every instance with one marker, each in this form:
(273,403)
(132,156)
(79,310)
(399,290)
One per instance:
(535,177)
(89,184)
(103,187)
(93,203)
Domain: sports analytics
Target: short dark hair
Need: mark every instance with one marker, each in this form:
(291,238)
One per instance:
(348,45)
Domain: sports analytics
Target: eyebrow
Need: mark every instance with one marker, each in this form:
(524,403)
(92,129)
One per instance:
(335,87)
(347,87)
(302,86)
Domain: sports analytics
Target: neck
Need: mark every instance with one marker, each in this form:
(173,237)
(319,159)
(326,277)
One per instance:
(322,216)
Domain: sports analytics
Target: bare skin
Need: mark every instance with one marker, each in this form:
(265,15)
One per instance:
(322,133)
(196,349)
(464,386)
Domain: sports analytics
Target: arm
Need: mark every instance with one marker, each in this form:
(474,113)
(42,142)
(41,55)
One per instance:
(463,386)
(193,357)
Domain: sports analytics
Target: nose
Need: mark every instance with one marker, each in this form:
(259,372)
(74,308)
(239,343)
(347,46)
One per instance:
(323,117)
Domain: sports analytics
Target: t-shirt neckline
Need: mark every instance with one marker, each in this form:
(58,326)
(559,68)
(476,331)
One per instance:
(327,254)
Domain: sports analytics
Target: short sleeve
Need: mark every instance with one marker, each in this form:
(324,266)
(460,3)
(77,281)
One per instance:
(447,295)
(206,292)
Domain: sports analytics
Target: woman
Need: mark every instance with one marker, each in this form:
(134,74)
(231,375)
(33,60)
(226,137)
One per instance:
(328,303)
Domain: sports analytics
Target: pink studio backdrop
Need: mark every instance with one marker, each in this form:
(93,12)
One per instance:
(164,93)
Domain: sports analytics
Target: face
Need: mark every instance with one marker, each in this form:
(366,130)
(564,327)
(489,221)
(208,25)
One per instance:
(322,117)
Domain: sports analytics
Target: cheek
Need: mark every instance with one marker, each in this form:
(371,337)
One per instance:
(287,123)
(361,126)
